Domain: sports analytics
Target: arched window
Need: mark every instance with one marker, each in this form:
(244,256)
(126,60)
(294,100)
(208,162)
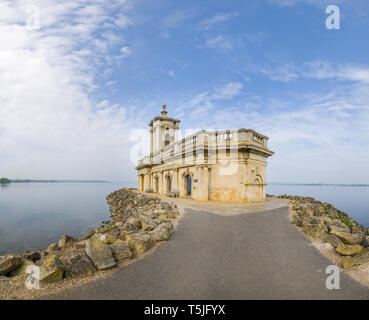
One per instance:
(167,139)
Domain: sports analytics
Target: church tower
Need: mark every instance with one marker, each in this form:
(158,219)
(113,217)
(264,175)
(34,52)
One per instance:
(163,131)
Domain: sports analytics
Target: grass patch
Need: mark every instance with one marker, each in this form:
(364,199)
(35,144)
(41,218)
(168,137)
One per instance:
(346,221)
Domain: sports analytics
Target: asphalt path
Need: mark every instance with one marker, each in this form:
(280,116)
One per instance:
(257,255)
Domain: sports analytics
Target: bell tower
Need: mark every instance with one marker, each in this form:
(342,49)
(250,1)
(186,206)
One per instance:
(163,131)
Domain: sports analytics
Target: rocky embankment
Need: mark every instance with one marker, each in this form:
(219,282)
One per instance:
(138,223)
(325,222)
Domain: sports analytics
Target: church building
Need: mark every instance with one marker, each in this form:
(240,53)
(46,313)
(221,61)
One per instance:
(223,165)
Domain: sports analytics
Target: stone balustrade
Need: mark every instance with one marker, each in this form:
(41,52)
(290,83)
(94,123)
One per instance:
(207,140)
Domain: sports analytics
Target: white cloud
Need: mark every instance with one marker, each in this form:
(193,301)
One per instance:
(125,52)
(346,72)
(204,101)
(50,124)
(219,41)
(217,19)
(319,3)
(316,70)
(171,74)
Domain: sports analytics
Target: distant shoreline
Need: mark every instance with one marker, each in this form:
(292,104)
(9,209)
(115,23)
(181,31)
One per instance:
(318,184)
(63,181)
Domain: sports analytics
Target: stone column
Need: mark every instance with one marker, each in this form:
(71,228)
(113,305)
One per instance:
(203,184)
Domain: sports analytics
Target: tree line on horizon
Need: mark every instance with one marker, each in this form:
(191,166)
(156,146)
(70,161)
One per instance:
(4,180)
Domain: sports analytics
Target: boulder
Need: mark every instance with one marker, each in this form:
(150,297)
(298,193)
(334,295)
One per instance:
(51,269)
(100,254)
(346,237)
(33,256)
(76,263)
(333,240)
(66,242)
(112,236)
(140,242)
(359,259)
(80,244)
(314,230)
(121,250)
(88,235)
(52,247)
(365,241)
(132,224)
(20,274)
(349,250)
(9,263)
(161,232)
(147,223)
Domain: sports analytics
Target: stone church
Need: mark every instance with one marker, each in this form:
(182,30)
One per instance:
(223,165)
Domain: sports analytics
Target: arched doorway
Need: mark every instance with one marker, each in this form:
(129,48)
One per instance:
(188,185)
(258,189)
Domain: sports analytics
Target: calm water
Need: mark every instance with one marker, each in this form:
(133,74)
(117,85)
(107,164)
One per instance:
(351,199)
(33,215)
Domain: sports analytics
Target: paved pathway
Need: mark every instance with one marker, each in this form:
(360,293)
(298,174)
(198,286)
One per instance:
(215,255)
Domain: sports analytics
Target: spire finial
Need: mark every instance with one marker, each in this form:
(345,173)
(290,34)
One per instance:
(164,112)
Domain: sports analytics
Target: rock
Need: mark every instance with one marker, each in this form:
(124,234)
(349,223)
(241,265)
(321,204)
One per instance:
(76,263)
(333,240)
(297,221)
(33,256)
(20,274)
(100,254)
(112,236)
(165,217)
(158,212)
(119,224)
(346,237)
(88,235)
(365,241)
(140,242)
(359,259)
(9,263)
(314,230)
(161,232)
(147,223)
(51,269)
(349,250)
(52,247)
(121,250)
(66,242)
(132,224)
(80,244)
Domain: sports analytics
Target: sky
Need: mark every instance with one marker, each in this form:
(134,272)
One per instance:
(79,79)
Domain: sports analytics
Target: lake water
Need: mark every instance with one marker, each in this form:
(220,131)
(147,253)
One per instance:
(354,200)
(33,215)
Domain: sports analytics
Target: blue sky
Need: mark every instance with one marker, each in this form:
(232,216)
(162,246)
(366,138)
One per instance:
(74,87)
